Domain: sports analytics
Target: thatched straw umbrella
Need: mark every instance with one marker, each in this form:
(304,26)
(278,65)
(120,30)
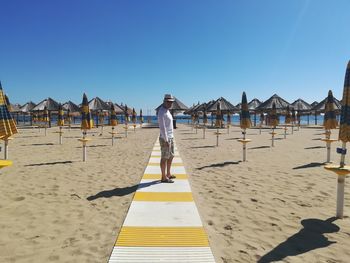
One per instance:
(287,120)
(113,121)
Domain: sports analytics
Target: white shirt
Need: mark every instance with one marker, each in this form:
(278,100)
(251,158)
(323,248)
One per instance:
(165,121)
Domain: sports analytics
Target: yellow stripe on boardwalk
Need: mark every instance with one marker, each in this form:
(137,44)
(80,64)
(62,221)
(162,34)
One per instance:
(158,176)
(162,237)
(164,197)
(173,164)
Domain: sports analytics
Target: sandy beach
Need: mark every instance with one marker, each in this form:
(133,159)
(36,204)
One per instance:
(277,206)
(256,210)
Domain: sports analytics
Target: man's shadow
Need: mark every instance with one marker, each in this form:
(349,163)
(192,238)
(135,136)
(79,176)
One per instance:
(308,238)
(121,191)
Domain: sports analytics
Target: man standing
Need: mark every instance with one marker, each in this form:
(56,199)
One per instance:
(166,138)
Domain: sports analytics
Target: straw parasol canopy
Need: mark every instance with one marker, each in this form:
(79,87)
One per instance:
(70,107)
(293,115)
(85,114)
(321,107)
(28,107)
(60,120)
(344,127)
(49,104)
(313,104)
(113,116)
(288,116)
(280,104)
(253,104)
(178,106)
(330,120)
(96,104)
(7,124)
(245,121)
(273,116)
(301,105)
(205,117)
(224,105)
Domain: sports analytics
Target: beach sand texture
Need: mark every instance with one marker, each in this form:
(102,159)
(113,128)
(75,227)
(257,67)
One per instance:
(276,206)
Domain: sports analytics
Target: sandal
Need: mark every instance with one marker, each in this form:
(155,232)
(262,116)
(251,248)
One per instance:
(167,181)
(172,177)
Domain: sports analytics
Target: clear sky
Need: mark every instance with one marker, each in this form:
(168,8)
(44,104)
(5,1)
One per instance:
(134,51)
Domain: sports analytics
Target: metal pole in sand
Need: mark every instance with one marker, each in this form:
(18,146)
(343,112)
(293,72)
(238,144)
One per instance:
(204,131)
(112,136)
(126,130)
(292,128)
(217,137)
(60,132)
(6,151)
(285,131)
(228,128)
(273,137)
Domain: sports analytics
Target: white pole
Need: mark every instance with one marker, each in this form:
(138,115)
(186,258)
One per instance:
(217,137)
(244,146)
(340,196)
(6,149)
(342,158)
(60,135)
(112,136)
(328,152)
(126,130)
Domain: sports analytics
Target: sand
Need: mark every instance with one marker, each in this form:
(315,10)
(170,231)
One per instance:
(256,210)
(276,206)
(55,208)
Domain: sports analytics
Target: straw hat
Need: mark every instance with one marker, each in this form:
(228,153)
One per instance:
(169,97)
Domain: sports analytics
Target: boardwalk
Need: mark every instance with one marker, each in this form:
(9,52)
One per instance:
(162,224)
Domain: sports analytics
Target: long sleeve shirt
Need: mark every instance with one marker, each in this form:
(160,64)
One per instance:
(165,121)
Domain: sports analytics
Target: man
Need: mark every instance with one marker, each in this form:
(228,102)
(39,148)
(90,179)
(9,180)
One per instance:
(166,138)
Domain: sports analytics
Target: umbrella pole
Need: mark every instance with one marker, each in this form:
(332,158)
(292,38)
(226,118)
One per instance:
(228,128)
(112,136)
(292,127)
(217,137)
(6,149)
(244,146)
(60,133)
(84,146)
(126,130)
(45,130)
(285,131)
(196,128)
(260,128)
(204,131)
(273,137)
(341,185)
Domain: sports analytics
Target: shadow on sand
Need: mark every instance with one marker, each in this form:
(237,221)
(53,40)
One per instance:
(205,146)
(121,191)
(38,144)
(53,163)
(315,147)
(310,237)
(259,147)
(309,165)
(189,139)
(217,165)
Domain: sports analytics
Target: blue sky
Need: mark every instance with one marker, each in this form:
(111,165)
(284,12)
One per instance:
(134,51)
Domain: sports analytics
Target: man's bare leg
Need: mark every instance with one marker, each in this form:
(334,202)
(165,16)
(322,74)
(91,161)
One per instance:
(163,163)
(168,166)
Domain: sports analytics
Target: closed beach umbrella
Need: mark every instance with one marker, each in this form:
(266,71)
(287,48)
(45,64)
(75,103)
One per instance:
(205,117)
(330,120)
(46,118)
(245,121)
(273,116)
(344,136)
(273,119)
(85,115)
(7,124)
(218,120)
(60,120)
(126,114)
(288,116)
(141,116)
(113,116)
(133,116)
